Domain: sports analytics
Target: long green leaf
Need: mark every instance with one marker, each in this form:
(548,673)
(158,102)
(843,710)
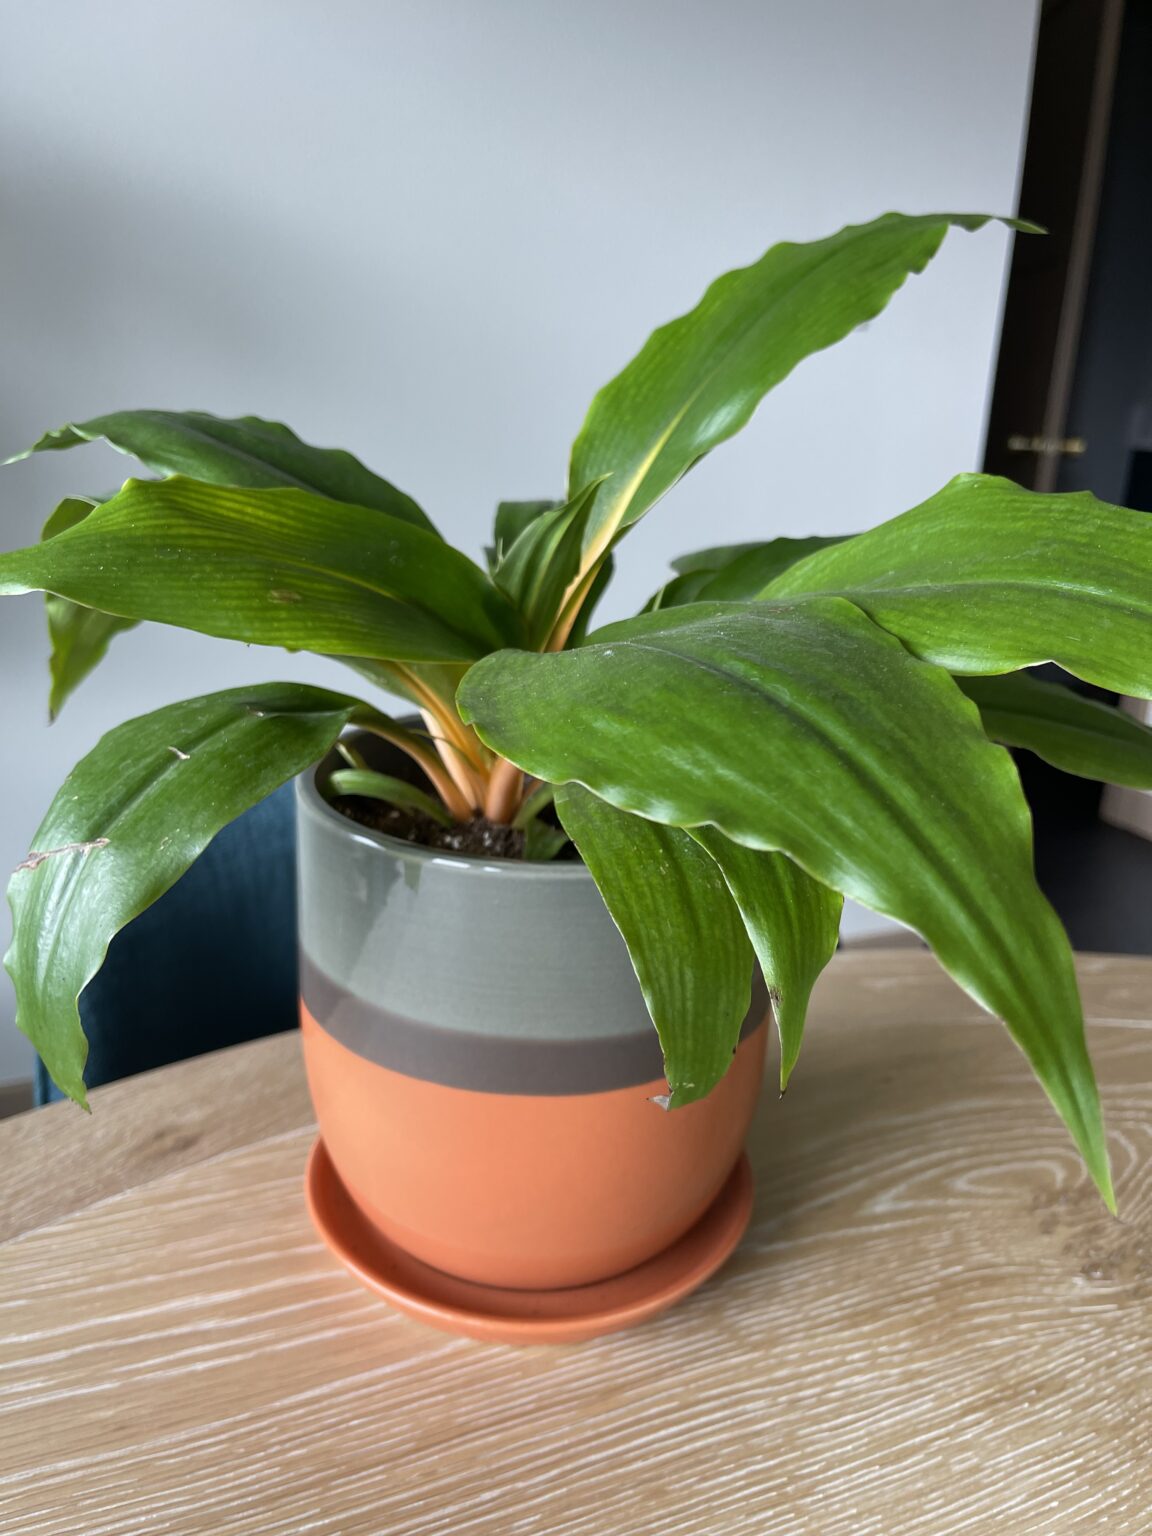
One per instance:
(986,577)
(687,943)
(776,555)
(538,567)
(243,451)
(542,840)
(733,571)
(793,922)
(128,821)
(278,567)
(78,637)
(698,379)
(678,591)
(512,518)
(383,786)
(803,728)
(1079,735)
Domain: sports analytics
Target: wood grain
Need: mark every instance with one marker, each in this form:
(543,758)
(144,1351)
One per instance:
(932,1327)
(144,1127)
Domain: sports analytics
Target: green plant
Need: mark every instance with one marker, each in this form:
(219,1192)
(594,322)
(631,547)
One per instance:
(786,723)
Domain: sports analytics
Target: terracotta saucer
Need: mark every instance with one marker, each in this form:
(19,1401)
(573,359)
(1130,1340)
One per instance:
(525,1317)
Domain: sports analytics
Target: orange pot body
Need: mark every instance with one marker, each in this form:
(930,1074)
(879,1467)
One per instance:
(521,1190)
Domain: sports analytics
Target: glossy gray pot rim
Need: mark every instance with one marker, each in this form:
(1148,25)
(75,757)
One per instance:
(313,802)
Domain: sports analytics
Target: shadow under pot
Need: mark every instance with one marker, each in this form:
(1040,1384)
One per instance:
(483,1066)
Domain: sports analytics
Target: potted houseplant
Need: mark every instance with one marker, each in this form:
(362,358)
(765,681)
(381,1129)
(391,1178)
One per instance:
(786,723)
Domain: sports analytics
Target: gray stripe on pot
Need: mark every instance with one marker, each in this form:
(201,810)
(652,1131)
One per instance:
(489,946)
(491,1063)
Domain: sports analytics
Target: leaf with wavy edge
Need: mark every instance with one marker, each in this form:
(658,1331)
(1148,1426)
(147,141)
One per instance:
(987,577)
(243,451)
(125,825)
(698,379)
(802,728)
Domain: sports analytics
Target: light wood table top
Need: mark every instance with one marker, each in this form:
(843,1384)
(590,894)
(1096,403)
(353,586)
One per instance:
(932,1327)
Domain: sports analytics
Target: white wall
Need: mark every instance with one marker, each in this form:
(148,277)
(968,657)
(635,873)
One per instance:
(429,229)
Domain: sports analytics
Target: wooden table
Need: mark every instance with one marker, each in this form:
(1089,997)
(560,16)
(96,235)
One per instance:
(932,1327)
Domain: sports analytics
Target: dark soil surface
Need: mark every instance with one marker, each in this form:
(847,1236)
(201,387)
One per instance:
(478,838)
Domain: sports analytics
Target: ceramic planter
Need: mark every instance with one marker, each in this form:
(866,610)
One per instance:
(483,1066)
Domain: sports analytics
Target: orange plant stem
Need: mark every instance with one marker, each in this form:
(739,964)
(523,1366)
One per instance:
(505,791)
(467,781)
